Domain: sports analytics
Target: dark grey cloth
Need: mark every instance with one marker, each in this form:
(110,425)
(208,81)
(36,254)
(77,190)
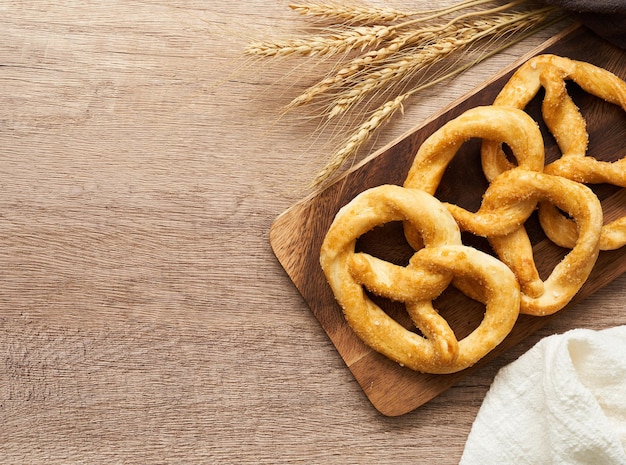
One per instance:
(591,6)
(607,18)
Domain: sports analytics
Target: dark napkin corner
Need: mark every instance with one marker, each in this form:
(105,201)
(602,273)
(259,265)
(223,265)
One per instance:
(607,18)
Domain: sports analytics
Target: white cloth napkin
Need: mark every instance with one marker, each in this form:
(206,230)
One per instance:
(562,402)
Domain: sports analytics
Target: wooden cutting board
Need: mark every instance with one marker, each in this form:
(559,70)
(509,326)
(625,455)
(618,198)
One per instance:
(297,234)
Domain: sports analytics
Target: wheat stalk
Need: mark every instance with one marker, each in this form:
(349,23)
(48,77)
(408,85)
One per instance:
(350,13)
(420,58)
(369,59)
(388,52)
(364,133)
(359,137)
(366,14)
(338,42)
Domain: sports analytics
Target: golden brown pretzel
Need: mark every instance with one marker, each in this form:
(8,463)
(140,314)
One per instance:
(510,285)
(511,243)
(498,124)
(568,127)
(511,198)
(428,273)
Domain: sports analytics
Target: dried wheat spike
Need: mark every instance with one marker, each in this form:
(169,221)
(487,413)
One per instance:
(349,13)
(357,38)
(360,137)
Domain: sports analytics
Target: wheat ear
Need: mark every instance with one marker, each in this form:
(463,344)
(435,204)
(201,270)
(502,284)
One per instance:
(353,38)
(364,133)
(349,13)
(360,137)
(366,14)
(359,63)
(411,62)
(369,59)
(339,42)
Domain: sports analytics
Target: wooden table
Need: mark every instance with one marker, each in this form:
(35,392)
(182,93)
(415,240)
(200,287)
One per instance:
(143,316)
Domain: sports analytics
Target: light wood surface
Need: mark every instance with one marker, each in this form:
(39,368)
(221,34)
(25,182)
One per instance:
(143,316)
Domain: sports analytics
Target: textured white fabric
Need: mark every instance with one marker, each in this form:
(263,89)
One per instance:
(562,402)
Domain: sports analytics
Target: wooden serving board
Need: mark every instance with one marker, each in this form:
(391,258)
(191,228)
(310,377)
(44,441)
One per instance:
(297,234)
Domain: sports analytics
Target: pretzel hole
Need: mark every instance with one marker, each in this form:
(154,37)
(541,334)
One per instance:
(547,254)
(477,242)
(394,310)
(533,108)
(465,166)
(596,112)
(606,191)
(614,205)
(613,201)
(508,153)
(462,313)
(600,146)
(386,242)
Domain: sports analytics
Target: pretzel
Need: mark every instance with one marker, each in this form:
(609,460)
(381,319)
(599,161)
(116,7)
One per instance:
(509,284)
(429,272)
(499,124)
(568,127)
(511,198)
(546,297)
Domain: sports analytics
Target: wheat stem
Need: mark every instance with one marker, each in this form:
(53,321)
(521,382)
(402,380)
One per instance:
(349,13)
(460,6)
(360,137)
(364,132)
(354,38)
(471,63)
(370,14)
(372,57)
(400,52)
(409,63)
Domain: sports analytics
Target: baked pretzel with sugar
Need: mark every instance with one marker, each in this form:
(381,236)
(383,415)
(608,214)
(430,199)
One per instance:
(568,126)
(511,198)
(429,272)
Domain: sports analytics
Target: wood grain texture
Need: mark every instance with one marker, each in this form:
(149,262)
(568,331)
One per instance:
(143,316)
(297,235)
